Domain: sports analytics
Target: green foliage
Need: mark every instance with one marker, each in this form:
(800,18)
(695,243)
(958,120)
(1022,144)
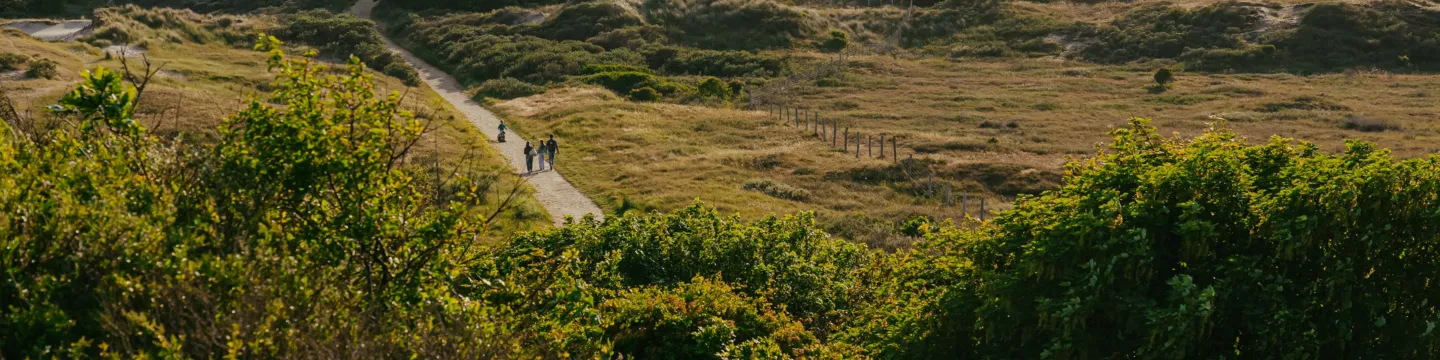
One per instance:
(622,82)
(644,94)
(713,88)
(838,41)
(1164,77)
(41,68)
(592,69)
(12,62)
(776,189)
(1162,31)
(507,88)
(345,35)
(632,38)
(588,19)
(748,24)
(1205,249)
(1329,36)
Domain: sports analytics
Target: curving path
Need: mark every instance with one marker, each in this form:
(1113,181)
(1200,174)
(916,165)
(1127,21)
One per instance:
(557,195)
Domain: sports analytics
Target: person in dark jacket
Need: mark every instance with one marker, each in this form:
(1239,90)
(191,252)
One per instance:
(553,147)
(529,158)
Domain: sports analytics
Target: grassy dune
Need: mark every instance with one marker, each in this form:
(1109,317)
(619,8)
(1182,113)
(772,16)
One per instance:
(999,128)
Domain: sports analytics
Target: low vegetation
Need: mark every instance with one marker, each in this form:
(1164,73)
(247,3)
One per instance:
(246,232)
(344,35)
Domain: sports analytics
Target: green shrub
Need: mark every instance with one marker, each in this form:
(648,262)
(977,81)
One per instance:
(644,94)
(345,35)
(712,87)
(622,82)
(1367,124)
(12,62)
(585,20)
(747,24)
(41,68)
(592,69)
(633,38)
(1164,77)
(1164,248)
(737,87)
(507,88)
(777,189)
(837,41)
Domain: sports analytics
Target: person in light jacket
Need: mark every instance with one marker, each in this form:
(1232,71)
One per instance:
(541,150)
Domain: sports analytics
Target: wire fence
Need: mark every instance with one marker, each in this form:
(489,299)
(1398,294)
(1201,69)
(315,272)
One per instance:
(916,177)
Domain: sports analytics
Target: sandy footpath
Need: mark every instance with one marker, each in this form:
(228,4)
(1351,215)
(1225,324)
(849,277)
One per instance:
(558,196)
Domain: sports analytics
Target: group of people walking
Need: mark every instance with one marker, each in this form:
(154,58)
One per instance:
(546,151)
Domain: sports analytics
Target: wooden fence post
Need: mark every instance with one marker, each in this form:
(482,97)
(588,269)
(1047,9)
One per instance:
(869,147)
(982,208)
(948,198)
(847,139)
(964,203)
(834,132)
(857,145)
(930,190)
(895,148)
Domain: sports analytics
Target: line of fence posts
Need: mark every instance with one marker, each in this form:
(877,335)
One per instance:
(811,121)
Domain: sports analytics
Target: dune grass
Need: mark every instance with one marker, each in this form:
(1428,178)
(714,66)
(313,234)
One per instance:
(990,128)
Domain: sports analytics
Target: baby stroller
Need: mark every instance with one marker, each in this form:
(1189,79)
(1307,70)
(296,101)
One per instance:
(501,137)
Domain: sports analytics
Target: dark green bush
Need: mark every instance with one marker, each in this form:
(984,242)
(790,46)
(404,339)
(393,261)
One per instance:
(345,35)
(1167,249)
(712,87)
(622,82)
(837,41)
(644,94)
(592,69)
(507,88)
(747,24)
(588,19)
(634,38)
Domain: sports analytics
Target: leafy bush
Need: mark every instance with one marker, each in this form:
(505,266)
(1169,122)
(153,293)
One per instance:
(42,68)
(713,87)
(633,38)
(344,35)
(644,94)
(585,20)
(838,41)
(12,62)
(1163,77)
(622,82)
(776,189)
(1164,248)
(507,88)
(1163,31)
(748,24)
(592,69)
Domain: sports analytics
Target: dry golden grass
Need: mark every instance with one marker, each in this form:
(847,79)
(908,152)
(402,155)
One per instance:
(996,127)
(200,84)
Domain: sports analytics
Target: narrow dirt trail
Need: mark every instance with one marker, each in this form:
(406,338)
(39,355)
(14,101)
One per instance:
(558,196)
